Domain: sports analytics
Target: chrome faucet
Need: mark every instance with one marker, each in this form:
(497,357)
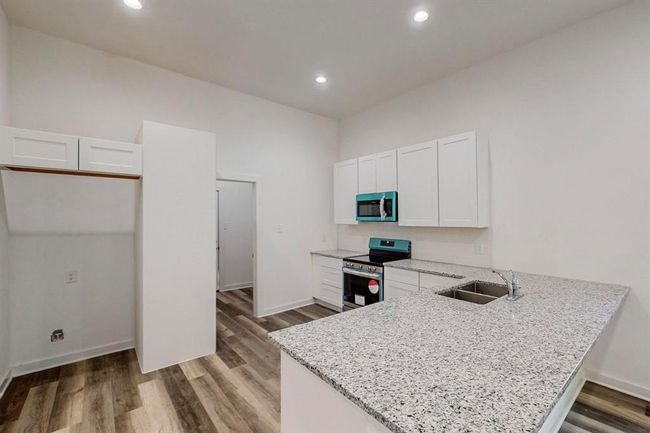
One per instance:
(512,283)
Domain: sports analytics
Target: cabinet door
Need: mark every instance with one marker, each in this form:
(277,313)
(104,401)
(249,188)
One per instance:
(458,181)
(395,289)
(37,149)
(345,192)
(367,174)
(103,156)
(417,181)
(386,163)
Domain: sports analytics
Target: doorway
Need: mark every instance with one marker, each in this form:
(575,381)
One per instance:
(236,222)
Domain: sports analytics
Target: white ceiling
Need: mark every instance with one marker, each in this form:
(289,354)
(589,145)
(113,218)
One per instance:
(369,49)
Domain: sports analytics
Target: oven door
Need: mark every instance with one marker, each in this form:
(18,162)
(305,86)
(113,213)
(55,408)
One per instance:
(377,207)
(361,288)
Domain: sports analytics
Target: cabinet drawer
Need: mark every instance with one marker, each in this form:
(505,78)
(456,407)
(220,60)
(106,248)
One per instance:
(38,149)
(331,294)
(105,156)
(328,262)
(429,281)
(331,277)
(402,276)
(395,289)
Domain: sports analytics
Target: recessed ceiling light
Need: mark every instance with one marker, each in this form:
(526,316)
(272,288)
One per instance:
(321,79)
(421,16)
(133,4)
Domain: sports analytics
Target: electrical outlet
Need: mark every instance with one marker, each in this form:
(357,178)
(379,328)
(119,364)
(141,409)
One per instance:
(57,335)
(479,249)
(71,277)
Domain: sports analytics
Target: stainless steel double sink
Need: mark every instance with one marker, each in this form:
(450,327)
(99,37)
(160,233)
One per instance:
(477,292)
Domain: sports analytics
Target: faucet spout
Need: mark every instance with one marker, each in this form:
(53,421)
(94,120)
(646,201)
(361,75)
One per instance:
(513,284)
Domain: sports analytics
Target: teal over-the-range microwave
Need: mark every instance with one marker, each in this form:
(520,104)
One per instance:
(377,207)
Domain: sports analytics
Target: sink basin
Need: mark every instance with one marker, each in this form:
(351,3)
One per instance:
(477,292)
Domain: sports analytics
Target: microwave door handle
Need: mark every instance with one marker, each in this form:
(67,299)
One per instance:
(382,211)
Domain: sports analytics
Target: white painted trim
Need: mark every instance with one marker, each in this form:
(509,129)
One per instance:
(619,385)
(556,417)
(287,307)
(256,180)
(67,358)
(5,380)
(236,286)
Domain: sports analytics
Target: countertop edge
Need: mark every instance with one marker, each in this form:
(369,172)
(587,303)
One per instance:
(336,254)
(582,361)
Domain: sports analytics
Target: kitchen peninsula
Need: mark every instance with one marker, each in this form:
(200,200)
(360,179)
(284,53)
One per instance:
(429,363)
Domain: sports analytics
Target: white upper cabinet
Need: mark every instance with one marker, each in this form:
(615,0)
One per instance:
(367,174)
(463,181)
(37,149)
(45,151)
(345,192)
(417,173)
(378,172)
(386,171)
(103,156)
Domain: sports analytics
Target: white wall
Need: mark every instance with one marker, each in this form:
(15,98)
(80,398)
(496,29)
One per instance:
(4,69)
(236,234)
(61,86)
(69,223)
(96,313)
(48,203)
(568,122)
(4,234)
(5,322)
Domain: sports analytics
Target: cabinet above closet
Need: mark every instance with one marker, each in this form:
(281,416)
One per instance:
(29,150)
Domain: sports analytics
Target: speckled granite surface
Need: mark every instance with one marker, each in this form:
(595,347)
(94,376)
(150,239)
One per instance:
(427,363)
(338,254)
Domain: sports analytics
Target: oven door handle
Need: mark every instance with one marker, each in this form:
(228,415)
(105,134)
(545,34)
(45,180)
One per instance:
(371,275)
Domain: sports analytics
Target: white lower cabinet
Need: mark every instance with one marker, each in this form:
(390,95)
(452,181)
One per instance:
(327,280)
(104,156)
(38,149)
(400,282)
(395,289)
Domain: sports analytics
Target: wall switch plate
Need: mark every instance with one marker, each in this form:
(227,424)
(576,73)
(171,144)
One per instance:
(57,335)
(71,277)
(279,229)
(479,249)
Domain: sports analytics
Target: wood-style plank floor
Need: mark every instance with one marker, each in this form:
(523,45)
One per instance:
(236,390)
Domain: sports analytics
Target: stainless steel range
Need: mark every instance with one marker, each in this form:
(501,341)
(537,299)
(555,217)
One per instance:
(363,276)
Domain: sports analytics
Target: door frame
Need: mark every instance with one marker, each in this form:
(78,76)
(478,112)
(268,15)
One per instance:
(256,180)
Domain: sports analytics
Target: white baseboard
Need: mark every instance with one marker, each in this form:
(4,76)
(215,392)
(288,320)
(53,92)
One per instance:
(286,307)
(619,385)
(67,358)
(5,379)
(236,286)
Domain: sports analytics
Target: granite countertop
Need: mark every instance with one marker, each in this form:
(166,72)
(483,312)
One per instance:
(428,363)
(337,254)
